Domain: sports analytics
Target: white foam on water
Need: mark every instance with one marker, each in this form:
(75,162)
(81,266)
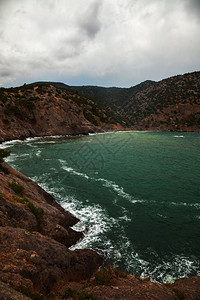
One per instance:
(106,183)
(46,142)
(13,157)
(115,187)
(177,204)
(31,139)
(162,216)
(169,270)
(125,218)
(119,190)
(42,138)
(38,153)
(196,205)
(72,171)
(100,133)
(94,222)
(8,144)
(178,136)
(119,131)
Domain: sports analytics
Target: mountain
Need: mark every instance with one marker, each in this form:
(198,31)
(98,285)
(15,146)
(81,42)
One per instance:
(53,108)
(35,232)
(39,110)
(170,104)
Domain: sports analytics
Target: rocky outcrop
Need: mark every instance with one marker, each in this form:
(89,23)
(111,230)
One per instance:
(36,110)
(131,288)
(35,234)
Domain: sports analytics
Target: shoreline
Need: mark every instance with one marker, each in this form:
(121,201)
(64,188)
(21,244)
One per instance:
(127,284)
(63,136)
(185,284)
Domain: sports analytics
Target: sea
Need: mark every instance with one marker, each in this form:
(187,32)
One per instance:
(137,195)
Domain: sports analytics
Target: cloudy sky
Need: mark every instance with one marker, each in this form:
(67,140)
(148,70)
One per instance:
(98,42)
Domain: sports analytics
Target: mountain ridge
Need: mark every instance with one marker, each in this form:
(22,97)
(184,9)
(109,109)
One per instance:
(41,110)
(171,104)
(47,108)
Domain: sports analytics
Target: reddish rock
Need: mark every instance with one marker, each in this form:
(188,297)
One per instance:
(34,243)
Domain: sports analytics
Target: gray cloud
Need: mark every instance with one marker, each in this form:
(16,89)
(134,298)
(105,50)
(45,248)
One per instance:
(194,7)
(104,42)
(90,22)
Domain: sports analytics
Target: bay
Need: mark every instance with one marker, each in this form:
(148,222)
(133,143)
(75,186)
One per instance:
(137,195)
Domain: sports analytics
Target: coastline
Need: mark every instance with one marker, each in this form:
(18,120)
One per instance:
(36,261)
(63,136)
(189,287)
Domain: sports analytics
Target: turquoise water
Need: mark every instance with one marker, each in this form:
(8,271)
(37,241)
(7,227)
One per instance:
(137,195)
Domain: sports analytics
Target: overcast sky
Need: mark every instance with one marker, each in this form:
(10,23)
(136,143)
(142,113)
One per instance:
(97,42)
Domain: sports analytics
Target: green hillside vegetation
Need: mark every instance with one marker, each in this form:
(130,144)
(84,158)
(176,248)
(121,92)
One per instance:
(21,103)
(170,104)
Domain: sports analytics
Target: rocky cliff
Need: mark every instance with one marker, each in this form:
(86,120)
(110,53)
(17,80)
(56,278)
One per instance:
(35,236)
(41,110)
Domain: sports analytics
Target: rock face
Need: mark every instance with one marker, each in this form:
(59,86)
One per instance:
(36,110)
(35,234)
(132,288)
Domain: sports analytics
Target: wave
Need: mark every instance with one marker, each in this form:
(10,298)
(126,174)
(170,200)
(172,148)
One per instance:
(97,226)
(178,136)
(177,204)
(72,171)
(106,183)
(196,205)
(94,220)
(8,144)
(12,158)
(38,153)
(46,142)
(99,133)
(119,131)
(178,266)
(44,137)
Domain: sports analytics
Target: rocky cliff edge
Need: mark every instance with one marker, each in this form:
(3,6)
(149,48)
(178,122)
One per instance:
(35,234)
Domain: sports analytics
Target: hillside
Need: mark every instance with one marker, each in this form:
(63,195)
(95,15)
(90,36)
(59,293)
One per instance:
(170,104)
(35,234)
(53,108)
(40,110)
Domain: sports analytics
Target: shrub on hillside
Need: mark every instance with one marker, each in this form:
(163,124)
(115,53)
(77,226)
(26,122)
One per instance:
(17,188)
